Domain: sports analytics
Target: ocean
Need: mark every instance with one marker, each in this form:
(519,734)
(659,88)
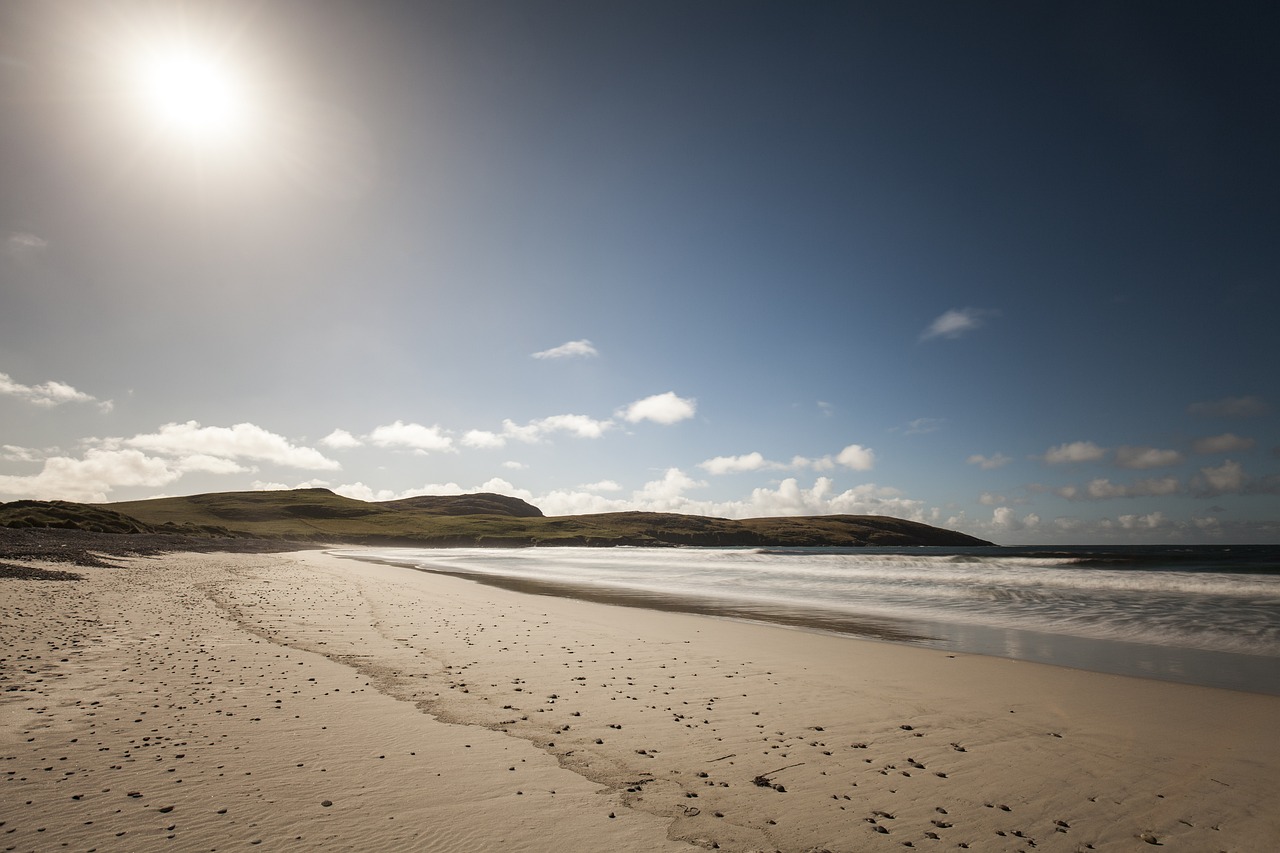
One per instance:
(1207,615)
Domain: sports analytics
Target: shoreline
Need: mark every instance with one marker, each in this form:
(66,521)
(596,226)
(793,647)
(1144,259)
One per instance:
(1240,671)
(436,714)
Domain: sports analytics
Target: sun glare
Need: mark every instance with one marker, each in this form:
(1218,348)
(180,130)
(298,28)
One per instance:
(191,93)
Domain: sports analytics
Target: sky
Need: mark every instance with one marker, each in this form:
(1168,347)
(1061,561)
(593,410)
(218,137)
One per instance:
(1009,268)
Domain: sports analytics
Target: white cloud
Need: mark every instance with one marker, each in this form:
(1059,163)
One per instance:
(789,498)
(1005,519)
(1146,457)
(667,493)
(361,492)
(46,393)
(483,439)
(990,499)
(209,465)
(602,486)
(753,461)
(411,435)
(857,457)
(1225,443)
(529,433)
(1230,407)
(1076,451)
(92,477)
(987,463)
(822,463)
(660,408)
(1150,521)
(572,349)
(513,465)
(265,486)
(340,439)
(241,441)
(954,323)
(581,426)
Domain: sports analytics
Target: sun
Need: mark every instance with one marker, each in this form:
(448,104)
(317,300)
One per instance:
(190,91)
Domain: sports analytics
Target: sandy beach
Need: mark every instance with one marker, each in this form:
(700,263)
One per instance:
(302,701)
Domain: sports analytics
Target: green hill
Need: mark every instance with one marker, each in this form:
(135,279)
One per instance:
(319,515)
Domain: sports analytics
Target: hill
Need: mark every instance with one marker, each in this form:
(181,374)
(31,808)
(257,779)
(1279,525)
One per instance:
(320,515)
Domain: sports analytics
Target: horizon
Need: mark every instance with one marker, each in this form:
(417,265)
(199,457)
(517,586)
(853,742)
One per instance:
(1005,270)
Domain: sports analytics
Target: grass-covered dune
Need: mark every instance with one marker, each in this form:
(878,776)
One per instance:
(319,515)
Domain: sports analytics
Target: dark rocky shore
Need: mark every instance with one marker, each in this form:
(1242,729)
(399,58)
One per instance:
(95,550)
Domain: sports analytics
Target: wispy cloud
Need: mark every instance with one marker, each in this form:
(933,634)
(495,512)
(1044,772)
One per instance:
(988,463)
(1146,457)
(1103,489)
(14,453)
(920,426)
(1226,443)
(24,244)
(572,349)
(1230,478)
(47,393)
(854,456)
(537,430)
(1076,451)
(956,323)
(663,409)
(1230,407)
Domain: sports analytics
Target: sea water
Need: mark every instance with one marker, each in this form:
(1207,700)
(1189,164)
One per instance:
(1207,615)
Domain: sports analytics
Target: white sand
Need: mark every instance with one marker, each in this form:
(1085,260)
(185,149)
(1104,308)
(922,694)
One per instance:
(201,702)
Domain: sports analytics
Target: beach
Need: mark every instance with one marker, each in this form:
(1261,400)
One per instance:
(303,701)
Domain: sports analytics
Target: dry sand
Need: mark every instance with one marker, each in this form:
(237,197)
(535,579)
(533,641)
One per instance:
(217,702)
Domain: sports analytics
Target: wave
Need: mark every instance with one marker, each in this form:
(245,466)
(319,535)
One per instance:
(1113,594)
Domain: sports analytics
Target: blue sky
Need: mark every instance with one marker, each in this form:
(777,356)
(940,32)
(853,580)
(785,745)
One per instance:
(1009,268)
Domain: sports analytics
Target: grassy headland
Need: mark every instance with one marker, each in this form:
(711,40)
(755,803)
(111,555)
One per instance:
(319,515)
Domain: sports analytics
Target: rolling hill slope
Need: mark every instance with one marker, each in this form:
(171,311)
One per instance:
(319,515)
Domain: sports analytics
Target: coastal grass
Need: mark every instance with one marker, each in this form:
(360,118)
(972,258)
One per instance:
(480,520)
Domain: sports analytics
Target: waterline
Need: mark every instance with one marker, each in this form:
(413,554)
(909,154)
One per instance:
(1202,616)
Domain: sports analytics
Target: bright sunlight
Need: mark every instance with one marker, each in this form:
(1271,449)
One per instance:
(191,92)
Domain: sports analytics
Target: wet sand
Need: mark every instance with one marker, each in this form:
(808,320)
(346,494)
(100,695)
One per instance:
(214,701)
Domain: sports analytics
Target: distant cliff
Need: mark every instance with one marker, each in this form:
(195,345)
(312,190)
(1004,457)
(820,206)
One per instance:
(319,515)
